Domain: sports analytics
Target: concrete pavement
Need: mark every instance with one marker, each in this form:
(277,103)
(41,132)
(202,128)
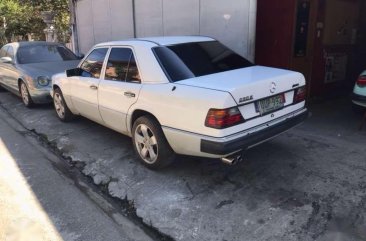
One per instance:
(306,184)
(39,203)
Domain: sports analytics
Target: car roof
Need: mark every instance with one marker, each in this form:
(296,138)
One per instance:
(163,40)
(171,40)
(30,43)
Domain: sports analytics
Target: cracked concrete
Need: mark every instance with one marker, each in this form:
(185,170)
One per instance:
(307,184)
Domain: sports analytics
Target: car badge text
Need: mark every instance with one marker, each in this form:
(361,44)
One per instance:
(246,98)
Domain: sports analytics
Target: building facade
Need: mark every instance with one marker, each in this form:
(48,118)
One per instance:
(323,39)
(233,22)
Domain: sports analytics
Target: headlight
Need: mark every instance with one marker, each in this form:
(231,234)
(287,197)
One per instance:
(43,80)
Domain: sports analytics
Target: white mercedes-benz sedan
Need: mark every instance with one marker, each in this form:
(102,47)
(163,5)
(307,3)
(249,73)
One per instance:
(186,95)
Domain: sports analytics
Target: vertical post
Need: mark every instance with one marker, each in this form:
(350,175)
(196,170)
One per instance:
(73,26)
(134,18)
(252,29)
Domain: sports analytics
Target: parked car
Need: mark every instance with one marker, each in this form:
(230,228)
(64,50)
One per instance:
(26,68)
(184,95)
(359,93)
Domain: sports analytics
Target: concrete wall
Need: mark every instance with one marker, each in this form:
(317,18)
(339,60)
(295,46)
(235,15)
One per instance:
(230,21)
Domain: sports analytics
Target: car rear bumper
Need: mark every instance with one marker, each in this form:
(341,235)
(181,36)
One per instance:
(252,139)
(359,99)
(188,143)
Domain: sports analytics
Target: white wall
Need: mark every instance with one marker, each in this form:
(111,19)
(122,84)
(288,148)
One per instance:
(103,20)
(230,21)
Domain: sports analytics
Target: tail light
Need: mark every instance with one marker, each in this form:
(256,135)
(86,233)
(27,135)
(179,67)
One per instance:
(223,118)
(361,82)
(299,95)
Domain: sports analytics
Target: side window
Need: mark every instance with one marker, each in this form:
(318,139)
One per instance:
(133,75)
(117,65)
(10,52)
(3,51)
(93,64)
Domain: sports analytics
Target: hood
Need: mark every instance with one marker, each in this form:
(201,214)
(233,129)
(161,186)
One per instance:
(47,68)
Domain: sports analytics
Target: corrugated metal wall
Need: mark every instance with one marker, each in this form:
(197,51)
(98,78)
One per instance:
(230,21)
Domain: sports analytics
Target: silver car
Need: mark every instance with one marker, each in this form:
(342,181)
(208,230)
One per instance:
(26,68)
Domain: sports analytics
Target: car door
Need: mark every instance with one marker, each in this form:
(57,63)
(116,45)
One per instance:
(84,88)
(12,73)
(2,65)
(8,72)
(119,88)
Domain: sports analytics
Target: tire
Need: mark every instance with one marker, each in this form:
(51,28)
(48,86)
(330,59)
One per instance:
(150,143)
(24,94)
(63,112)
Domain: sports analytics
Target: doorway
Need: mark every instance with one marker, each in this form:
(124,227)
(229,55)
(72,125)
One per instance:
(319,38)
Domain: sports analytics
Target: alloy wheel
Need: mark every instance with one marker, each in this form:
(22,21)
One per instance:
(24,93)
(146,143)
(59,105)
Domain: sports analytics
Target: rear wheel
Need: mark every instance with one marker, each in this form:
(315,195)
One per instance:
(150,143)
(63,112)
(24,94)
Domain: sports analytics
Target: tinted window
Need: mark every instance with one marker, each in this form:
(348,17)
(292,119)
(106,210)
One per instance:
(10,52)
(183,61)
(44,53)
(93,64)
(3,51)
(133,74)
(122,66)
(117,66)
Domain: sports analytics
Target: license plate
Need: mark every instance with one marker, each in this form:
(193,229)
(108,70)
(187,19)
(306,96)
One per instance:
(270,104)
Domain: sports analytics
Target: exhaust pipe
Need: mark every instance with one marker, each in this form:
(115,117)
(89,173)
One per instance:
(233,159)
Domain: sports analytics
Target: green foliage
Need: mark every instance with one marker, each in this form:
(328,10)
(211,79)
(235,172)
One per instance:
(23,17)
(15,16)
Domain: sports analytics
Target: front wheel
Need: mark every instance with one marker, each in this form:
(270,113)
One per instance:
(24,94)
(62,111)
(150,143)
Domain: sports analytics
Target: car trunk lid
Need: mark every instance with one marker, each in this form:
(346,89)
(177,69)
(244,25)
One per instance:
(249,84)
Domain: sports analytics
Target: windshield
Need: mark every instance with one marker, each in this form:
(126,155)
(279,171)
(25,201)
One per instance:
(44,53)
(188,60)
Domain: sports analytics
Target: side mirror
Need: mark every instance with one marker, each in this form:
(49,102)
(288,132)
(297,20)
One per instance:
(80,56)
(6,60)
(74,72)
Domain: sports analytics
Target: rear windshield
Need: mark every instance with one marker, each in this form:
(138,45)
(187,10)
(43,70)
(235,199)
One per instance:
(188,60)
(44,53)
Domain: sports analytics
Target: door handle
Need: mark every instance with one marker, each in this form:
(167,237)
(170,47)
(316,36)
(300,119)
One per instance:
(93,87)
(130,94)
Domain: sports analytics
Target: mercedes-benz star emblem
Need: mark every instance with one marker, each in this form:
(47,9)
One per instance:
(272,89)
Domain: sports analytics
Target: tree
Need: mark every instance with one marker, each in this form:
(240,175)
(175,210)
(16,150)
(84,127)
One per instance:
(61,10)
(23,17)
(14,15)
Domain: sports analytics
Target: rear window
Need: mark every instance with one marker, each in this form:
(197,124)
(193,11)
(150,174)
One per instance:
(188,60)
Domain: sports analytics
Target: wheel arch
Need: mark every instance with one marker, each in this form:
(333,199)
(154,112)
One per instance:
(138,113)
(19,81)
(55,86)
